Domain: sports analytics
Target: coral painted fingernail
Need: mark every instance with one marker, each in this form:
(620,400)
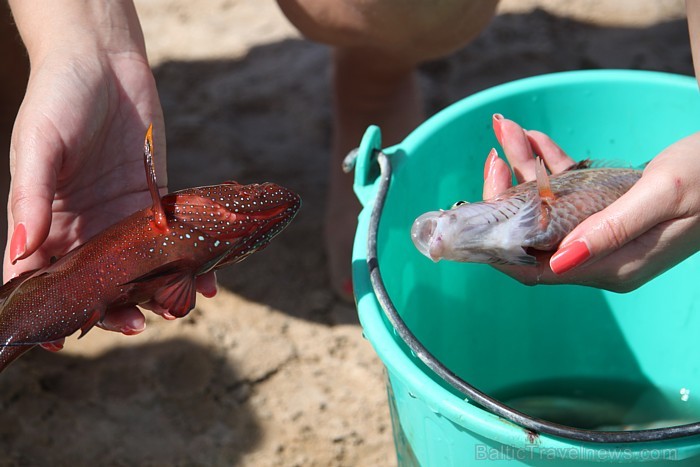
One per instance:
(129,331)
(18,244)
(497,120)
(167,315)
(567,258)
(490,161)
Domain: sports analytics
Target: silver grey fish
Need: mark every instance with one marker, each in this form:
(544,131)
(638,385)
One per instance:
(536,214)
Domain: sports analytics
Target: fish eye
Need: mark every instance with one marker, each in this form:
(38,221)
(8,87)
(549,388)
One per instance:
(459,203)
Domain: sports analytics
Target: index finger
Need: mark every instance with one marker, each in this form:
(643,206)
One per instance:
(516,147)
(554,156)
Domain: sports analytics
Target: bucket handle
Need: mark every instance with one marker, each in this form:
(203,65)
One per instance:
(472,393)
(362,160)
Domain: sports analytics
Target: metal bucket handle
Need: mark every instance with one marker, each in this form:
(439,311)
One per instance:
(473,394)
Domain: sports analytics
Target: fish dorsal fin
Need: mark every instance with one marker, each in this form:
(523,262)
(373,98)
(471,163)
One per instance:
(543,186)
(603,164)
(159,219)
(584,164)
(544,189)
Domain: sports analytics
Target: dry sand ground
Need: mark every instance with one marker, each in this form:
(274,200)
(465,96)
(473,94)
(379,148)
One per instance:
(274,370)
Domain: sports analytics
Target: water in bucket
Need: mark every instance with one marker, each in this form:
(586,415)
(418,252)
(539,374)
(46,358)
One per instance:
(573,355)
(602,404)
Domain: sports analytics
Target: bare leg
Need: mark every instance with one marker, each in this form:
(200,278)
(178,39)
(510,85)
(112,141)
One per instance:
(387,97)
(377,46)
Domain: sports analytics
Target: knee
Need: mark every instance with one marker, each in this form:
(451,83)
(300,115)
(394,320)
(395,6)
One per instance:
(415,31)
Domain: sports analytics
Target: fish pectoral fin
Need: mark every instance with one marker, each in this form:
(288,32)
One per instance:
(167,270)
(94,318)
(523,260)
(518,257)
(178,295)
(177,291)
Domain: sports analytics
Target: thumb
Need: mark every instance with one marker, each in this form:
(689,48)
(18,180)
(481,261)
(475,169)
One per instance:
(634,213)
(34,165)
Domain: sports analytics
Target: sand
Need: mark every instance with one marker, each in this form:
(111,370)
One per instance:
(274,371)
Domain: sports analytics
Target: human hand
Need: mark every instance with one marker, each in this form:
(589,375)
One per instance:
(77,146)
(650,229)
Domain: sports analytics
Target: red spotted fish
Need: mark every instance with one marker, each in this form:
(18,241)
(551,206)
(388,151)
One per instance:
(152,256)
(533,215)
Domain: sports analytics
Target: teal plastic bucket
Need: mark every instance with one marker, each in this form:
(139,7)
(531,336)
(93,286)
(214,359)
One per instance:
(575,356)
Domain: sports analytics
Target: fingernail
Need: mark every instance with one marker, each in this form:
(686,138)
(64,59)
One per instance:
(167,315)
(497,119)
(18,244)
(131,331)
(490,161)
(211,291)
(567,258)
(533,144)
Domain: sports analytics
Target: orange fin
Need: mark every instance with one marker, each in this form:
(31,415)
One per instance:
(95,317)
(543,186)
(545,191)
(159,218)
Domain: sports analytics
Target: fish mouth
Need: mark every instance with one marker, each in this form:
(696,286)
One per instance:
(423,234)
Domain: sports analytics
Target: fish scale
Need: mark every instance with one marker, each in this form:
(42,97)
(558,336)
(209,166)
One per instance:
(152,256)
(536,214)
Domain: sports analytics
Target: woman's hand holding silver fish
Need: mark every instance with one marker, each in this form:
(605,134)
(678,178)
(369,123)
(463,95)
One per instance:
(649,229)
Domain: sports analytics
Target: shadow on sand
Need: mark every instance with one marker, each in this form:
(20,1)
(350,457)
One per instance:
(182,405)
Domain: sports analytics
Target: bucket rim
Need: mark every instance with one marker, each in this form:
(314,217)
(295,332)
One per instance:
(548,80)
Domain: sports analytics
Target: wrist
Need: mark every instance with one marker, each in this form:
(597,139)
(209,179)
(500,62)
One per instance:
(78,26)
